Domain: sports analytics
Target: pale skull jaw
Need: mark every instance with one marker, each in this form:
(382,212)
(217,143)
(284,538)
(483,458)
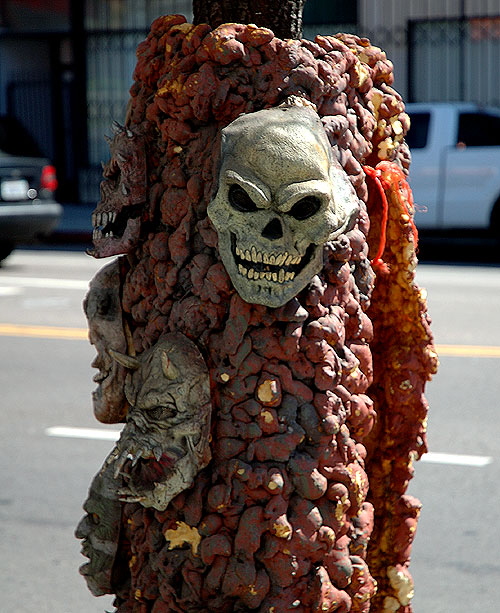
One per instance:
(270,278)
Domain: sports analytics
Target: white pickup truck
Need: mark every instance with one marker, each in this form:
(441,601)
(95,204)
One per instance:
(455,169)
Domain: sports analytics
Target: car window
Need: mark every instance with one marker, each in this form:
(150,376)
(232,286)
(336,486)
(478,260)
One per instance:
(419,130)
(479,130)
(15,140)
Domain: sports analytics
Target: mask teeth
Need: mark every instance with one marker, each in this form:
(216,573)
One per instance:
(274,259)
(279,276)
(98,234)
(103,219)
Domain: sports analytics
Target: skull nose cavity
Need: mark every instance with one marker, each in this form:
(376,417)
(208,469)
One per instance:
(273,230)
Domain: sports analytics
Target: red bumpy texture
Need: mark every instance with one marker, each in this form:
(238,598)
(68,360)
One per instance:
(282,517)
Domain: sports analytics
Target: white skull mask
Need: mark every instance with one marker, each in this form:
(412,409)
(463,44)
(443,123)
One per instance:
(281,196)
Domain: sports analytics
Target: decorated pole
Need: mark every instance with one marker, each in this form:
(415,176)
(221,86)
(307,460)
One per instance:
(261,334)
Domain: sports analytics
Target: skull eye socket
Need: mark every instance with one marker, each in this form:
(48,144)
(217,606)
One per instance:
(240,200)
(305,208)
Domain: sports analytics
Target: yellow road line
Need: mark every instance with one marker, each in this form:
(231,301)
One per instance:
(43,331)
(464,351)
(468,351)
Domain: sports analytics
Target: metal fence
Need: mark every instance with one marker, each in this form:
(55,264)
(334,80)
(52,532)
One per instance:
(446,57)
(455,60)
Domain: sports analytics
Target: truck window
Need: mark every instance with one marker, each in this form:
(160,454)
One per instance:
(479,130)
(419,130)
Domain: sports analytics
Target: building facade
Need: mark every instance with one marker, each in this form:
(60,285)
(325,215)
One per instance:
(66,65)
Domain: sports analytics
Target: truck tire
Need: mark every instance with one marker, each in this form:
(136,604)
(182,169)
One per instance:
(495,219)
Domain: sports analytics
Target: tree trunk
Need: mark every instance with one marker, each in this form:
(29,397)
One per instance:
(284,17)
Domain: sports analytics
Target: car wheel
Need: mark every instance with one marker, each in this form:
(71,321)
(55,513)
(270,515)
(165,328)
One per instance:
(5,250)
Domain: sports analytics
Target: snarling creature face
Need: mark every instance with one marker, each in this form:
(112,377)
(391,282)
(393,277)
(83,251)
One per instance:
(103,309)
(163,446)
(117,217)
(166,437)
(281,196)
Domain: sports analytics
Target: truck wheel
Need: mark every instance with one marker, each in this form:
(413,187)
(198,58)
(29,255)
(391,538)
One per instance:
(495,220)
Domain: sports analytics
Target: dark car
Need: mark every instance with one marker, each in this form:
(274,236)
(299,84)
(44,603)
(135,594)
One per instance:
(28,210)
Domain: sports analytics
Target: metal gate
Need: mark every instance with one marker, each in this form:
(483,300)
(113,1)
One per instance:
(454,59)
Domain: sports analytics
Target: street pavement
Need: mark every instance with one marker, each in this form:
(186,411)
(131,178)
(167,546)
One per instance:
(50,456)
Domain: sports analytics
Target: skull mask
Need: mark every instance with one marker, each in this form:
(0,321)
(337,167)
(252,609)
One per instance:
(281,196)
(118,215)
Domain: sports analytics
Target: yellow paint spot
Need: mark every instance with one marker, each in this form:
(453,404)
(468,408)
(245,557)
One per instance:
(137,594)
(241,471)
(397,126)
(381,127)
(182,535)
(224,377)
(405,385)
(339,511)
(267,416)
(272,485)
(282,531)
(402,584)
(362,72)
(386,148)
(252,590)
(267,391)
(377,99)
(132,561)
(177,149)
(185,28)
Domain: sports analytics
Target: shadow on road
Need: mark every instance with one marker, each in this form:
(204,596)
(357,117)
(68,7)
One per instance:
(463,249)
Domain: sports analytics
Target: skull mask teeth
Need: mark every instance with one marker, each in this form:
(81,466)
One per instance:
(275,267)
(281,197)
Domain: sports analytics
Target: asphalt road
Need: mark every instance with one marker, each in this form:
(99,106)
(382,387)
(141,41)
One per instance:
(46,382)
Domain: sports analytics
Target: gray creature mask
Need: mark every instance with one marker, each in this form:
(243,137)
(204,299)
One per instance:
(103,309)
(281,196)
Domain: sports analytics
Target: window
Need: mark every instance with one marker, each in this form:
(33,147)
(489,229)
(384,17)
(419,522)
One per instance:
(479,130)
(419,130)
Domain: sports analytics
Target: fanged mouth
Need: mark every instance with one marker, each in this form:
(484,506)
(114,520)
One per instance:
(111,224)
(108,225)
(279,267)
